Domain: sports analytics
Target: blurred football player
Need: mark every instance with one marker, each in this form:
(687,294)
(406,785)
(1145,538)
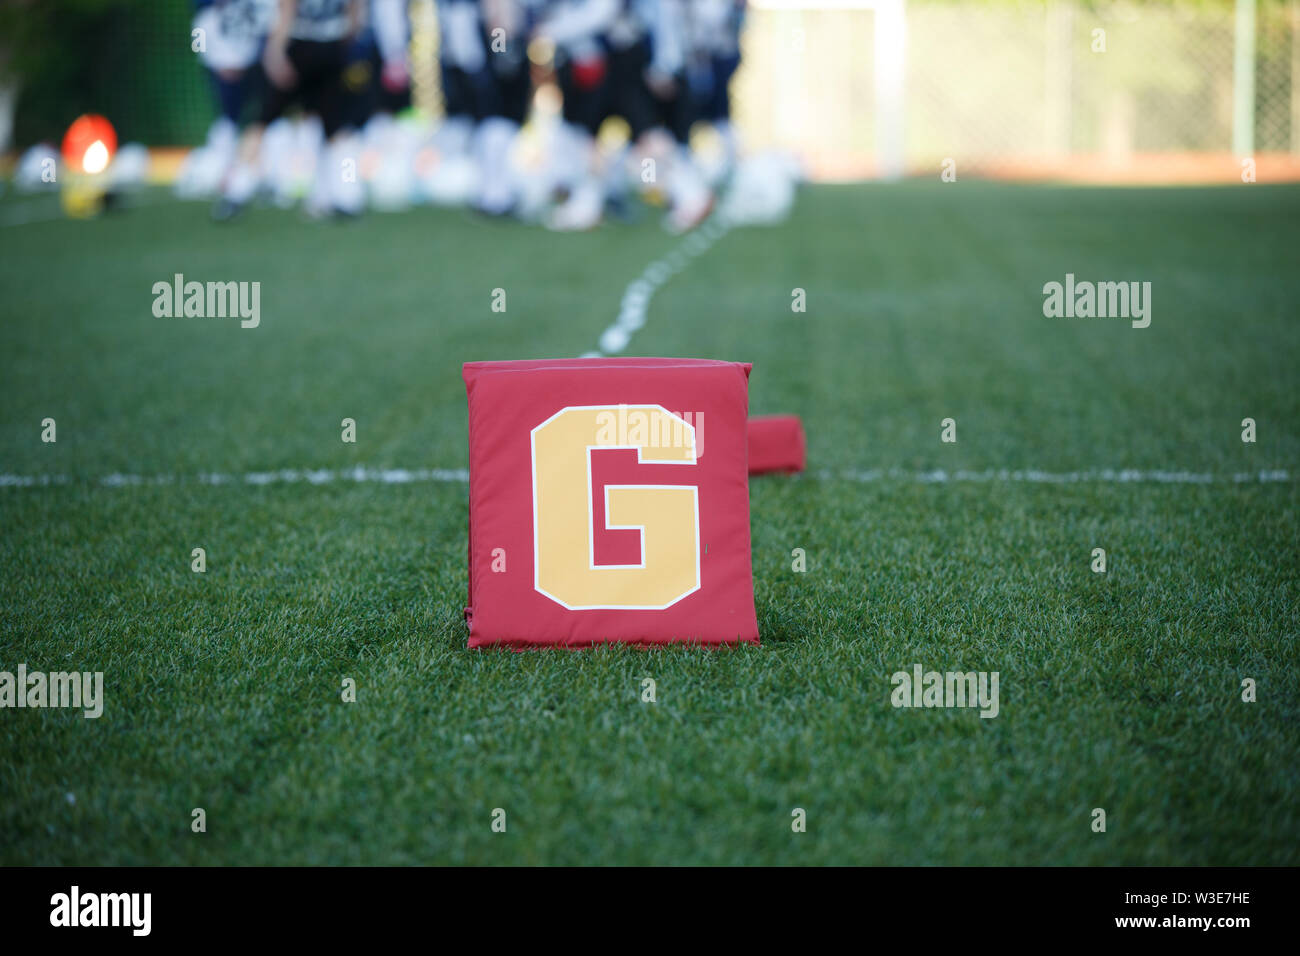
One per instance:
(304,58)
(713,56)
(624,58)
(506,26)
(228,36)
(391,27)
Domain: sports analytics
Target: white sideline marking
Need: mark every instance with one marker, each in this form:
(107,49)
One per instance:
(1037,476)
(406,476)
(317,476)
(637,295)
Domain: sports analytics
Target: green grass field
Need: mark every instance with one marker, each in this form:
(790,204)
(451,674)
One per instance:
(1120,691)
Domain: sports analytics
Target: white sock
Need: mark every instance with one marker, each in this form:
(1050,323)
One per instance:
(342,159)
(492,142)
(241,184)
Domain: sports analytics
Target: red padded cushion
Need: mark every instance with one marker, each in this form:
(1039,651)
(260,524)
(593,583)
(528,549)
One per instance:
(609,501)
(776,443)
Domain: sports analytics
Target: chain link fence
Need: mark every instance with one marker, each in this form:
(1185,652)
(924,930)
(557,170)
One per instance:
(1006,86)
(854,87)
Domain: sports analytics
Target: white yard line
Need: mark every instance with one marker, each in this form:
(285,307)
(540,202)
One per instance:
(637,295)
(1118,476)
(405,476)
(313,476)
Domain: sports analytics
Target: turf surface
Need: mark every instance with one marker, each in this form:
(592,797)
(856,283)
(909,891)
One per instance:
(1120,691)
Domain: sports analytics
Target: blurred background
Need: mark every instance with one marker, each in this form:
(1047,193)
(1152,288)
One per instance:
(852,88)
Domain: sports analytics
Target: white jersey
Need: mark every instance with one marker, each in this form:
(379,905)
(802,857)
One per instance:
(713,27)
(229,33)
(460,35)
(579,26)
(392,29)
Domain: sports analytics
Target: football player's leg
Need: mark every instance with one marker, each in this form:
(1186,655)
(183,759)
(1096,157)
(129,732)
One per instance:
(205,168)
(242,179)
(626,101)
(457,128)
(282,89)
(689,194)
(392,29)
(585,90)
(343,191)
(508,93)
(724,68)
(230,58)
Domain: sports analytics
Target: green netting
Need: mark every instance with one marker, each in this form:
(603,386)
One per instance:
(130,61)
